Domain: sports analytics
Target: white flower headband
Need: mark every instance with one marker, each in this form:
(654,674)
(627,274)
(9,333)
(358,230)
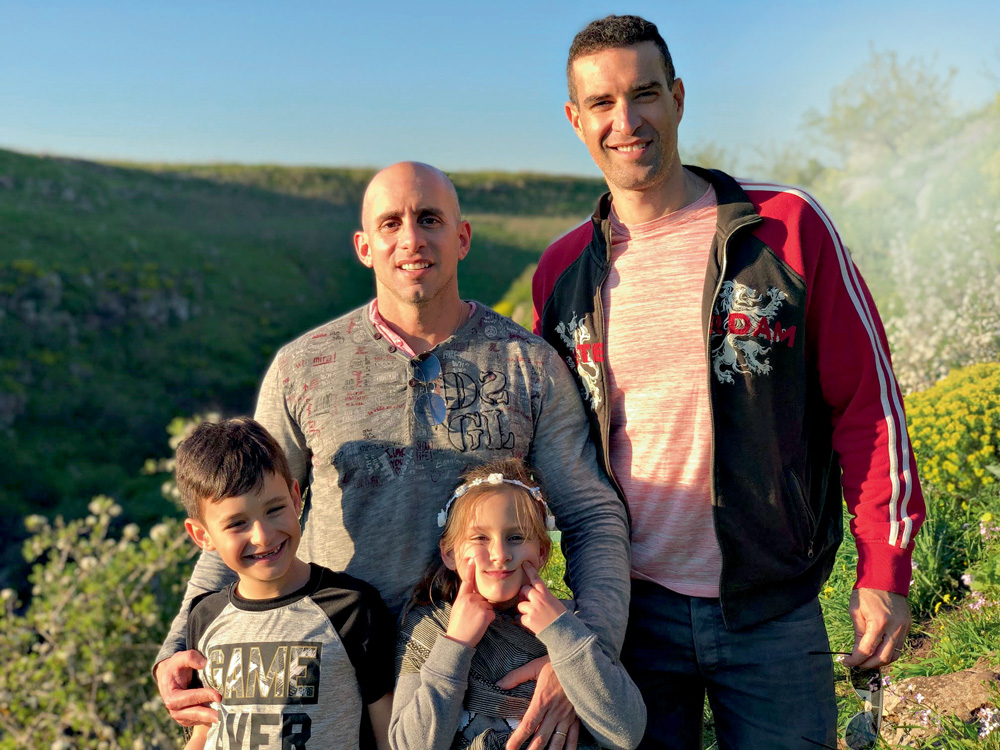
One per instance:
(497,479)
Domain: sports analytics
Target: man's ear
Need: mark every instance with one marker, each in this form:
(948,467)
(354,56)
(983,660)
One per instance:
(573,115)
(464,239)
(448,556)
(362,248)
(197,531)
(677,92)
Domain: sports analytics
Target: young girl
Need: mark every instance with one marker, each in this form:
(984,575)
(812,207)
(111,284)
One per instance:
(461,633)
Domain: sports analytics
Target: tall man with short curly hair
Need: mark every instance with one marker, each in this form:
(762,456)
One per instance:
(738,381)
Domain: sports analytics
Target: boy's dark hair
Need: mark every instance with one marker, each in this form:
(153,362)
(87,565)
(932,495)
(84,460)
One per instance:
(226,459)
(614,32)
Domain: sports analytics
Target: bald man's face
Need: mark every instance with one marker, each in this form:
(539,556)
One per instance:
(412,236)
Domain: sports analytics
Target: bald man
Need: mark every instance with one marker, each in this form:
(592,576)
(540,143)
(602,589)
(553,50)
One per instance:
(382,409)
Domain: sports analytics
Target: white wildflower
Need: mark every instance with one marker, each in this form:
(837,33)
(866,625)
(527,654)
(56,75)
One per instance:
(35,523)
(989,720)
(159,532)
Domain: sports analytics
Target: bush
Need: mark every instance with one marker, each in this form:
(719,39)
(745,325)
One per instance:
(983,576)
(955,428)
(77,660)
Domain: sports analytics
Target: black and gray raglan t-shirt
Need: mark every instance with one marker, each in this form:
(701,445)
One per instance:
(294,672)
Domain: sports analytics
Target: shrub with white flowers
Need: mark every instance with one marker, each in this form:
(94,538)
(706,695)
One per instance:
(76,661)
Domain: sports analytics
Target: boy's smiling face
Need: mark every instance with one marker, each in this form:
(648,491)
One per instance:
(256,535)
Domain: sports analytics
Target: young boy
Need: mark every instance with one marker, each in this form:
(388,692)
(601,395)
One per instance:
(294,649)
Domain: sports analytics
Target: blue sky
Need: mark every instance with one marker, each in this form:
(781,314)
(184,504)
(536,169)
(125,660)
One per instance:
(461,85)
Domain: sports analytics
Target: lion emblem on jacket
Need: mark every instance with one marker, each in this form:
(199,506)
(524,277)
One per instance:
(736,344)
(573,334)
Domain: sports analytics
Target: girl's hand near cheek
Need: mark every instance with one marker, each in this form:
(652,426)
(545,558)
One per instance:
(471,614)
(538,607)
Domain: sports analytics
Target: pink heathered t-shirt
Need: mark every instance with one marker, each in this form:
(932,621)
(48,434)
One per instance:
(661,427)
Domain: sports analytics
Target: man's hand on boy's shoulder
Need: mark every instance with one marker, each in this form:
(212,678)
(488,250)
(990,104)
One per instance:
(187,706)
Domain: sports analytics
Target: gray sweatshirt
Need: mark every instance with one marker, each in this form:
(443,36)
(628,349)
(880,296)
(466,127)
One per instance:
(446,697)
(340,401)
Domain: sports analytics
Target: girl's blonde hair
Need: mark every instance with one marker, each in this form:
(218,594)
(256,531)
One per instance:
(440,583)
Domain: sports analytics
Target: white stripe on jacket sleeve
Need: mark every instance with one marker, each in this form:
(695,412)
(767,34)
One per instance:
(899,447)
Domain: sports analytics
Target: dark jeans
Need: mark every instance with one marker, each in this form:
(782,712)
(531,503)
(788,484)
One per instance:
(764,689)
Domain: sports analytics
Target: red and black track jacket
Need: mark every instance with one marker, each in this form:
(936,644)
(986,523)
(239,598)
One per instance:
(804,402)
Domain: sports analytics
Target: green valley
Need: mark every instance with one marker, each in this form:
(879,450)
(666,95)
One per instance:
(133,294)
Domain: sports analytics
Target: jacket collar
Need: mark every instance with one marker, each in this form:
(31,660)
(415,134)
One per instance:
(735,209)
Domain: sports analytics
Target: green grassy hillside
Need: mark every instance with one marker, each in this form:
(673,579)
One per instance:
(131,294)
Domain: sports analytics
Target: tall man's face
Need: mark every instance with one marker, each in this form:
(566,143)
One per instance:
(412,236)
(627,116)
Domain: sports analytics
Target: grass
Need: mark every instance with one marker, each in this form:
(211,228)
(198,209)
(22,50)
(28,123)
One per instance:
(958,638)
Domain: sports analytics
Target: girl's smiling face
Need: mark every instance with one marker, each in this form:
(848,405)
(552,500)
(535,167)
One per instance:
(498,539)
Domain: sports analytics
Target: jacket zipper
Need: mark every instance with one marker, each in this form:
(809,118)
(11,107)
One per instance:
(711,409)
(606,422)
(812,524)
